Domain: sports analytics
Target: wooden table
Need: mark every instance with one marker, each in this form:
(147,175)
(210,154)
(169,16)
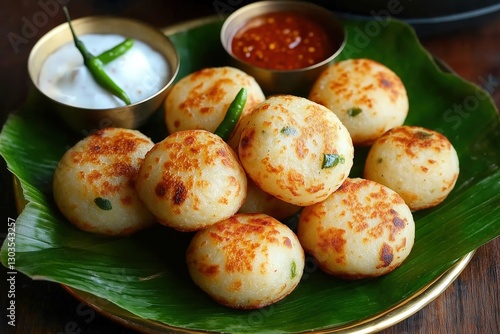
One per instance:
(470,305)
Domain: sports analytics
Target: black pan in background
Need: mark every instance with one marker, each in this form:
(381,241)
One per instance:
(426,16)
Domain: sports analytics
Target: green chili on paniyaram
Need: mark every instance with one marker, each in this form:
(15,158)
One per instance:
(288,130)
(103,203)
(95,66)
(423,134)
(294,269)
(332,160)
(354,111)
(232,116)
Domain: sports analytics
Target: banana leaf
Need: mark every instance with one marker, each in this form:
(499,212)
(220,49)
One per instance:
(146,275)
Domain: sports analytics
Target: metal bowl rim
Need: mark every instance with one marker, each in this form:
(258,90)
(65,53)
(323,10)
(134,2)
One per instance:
(173,63)
(274,6)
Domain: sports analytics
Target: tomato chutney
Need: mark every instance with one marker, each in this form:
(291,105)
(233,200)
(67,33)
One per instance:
(283,41)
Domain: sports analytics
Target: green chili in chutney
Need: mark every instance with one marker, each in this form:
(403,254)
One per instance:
(95,66)
(283,41)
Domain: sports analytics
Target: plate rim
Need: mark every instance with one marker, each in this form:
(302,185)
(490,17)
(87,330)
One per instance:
(373,324)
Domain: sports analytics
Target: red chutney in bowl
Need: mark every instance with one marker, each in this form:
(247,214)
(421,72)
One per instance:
(282,41)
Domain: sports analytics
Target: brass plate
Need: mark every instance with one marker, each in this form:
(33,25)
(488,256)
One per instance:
(373,324)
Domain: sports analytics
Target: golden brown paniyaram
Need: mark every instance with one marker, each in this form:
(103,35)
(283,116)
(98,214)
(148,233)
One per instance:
(418,163)
(363,229)
(368,97)
(191,179)
(295,149)
(200,100)
(94,181)
(247,261)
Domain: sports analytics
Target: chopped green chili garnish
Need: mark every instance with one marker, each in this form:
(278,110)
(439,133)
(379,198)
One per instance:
(294,269)
(354,111)
(288,130)
(332,160)
(103,203)
(423,135)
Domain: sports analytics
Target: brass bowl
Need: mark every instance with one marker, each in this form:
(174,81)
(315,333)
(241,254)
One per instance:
(86,120)
(296,81)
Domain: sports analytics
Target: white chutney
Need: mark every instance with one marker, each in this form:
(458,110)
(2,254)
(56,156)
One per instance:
(140,72)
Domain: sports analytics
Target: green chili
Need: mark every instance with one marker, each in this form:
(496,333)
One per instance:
(423,135)
(115,52)
(95,66)
(332,160)
(294,269)
(288,130)
(354,111)
(233,114)
(103,203)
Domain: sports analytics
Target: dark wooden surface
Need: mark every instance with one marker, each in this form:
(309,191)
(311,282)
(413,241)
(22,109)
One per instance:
(470,305)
